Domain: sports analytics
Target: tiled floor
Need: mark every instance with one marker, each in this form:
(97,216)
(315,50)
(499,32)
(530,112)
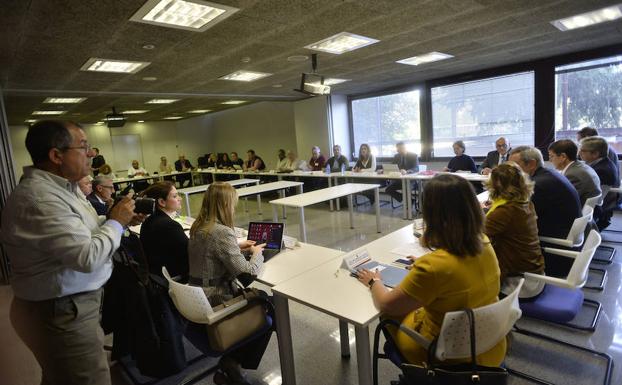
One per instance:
(316,337)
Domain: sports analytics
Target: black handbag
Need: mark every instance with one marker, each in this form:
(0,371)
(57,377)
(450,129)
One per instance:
(460,374)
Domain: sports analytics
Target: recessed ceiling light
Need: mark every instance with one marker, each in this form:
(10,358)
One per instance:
(30,120)
(234,102)
(141,121)
(297,58)
(173,117)
(130,112)
(149,46)
(425,58)
(64,100)
(48,112)
(277,85)
(114,66)
(99,123)
(198,111)
(341,42)
(589,18)
(246,59)
(150,78)
(162,101)
(245,76)
(194,15)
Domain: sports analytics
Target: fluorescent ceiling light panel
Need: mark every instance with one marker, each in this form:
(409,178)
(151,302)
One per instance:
(245,76)
(333,81)
(162,101)
(589,18)
(234,102)
(64,100)
(114,66)
(30,120)
(48,112)
(173,117)
(191,15)
(425,58)
(198,111)
(341,42)
(131,112)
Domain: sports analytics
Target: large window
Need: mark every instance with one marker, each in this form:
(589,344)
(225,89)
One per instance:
(385,120)
(590,94)
(479,112)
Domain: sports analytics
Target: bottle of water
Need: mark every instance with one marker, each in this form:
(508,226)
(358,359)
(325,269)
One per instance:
(343,169)
(327,170)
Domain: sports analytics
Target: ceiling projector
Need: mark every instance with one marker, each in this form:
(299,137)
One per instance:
(115,119)
(313,83)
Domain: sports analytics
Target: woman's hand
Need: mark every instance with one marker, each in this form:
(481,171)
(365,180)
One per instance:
(364,276)
(412,261)
(246,244)
(256,249)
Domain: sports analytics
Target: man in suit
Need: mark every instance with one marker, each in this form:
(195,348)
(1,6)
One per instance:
(563,155)
(593,150)
(587,132)
(183,165)
(101,197)
(555,199)
(97,161)
(408,163)
(337,162)
(496,157)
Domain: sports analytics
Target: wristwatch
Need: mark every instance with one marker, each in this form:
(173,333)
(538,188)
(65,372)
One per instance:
(372,281)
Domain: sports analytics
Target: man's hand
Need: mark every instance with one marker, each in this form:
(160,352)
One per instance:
(486,171)
(123,212)
(137,219)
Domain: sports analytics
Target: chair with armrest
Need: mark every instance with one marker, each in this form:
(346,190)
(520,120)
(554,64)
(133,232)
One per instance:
(594,201)
(492,323)
(605,254)
(193,305)
(575,235)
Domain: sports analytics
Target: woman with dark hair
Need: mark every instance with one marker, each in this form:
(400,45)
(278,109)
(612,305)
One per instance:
(366,161)
(461,270)
(163,238)
(512,228)
(223,161)
(461,162)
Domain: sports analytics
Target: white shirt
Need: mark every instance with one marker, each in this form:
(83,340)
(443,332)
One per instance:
(56,242)
(281,164)
(133,171)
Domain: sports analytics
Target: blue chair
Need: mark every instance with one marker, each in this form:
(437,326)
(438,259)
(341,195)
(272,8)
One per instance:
(193,305)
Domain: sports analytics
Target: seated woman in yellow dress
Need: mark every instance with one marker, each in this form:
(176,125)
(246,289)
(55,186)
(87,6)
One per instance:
(461,270)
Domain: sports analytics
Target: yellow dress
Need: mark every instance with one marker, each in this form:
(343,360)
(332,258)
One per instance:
(442,282)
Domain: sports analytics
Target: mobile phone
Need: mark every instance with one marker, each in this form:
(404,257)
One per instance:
(403,261)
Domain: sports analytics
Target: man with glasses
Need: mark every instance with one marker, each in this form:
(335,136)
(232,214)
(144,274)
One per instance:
(101,197)
(61,255)
(496,157)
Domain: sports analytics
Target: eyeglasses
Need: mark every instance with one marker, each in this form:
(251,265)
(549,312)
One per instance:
(110,187)
(87,148)
(501,145)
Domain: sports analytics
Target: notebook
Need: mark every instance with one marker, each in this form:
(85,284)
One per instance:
(270,233)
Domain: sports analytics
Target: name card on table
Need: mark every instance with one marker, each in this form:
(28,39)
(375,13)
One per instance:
(354,259)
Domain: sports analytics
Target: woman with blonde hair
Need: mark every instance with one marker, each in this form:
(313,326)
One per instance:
(216,259)
(107,171)
(511,225)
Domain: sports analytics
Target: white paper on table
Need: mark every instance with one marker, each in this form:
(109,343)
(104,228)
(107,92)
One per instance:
(408,249)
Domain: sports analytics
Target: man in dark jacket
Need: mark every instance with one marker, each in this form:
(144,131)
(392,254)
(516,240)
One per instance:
(555,199)
(496,157)
(97,161)
(408,163)
(593,151)
(101,197)
(183,165)
(337,162)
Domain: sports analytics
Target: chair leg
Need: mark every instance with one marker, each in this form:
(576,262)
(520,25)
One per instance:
(605,356)
(601,284)
(196,378)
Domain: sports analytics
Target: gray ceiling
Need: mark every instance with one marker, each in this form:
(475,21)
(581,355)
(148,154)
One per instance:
(44,43)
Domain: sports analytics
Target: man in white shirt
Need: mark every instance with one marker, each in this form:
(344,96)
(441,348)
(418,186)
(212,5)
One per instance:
(281,162)
(60,252)
(136,170)
(563,156)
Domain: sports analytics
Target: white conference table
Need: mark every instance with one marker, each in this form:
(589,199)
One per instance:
(199,189)
(148,177)
(279,186)
(331,290)
(323,195)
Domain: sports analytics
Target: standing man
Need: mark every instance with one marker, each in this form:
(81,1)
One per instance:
(97,162)
(60,253)
(408,163)
(337,162)
(101,197)
(183,165)
(496,157)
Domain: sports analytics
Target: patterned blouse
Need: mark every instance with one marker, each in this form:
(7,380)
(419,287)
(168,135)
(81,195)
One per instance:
(216,260)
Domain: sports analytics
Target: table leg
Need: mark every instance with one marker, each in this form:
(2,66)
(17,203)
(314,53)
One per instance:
(282,195)
(377,196)
(405,198)
(330,184)
(303,231)
(284,336)
(187,199)
(344,338)
(275,213)
(363,355)
(338,199)
(259,204)
(409,187)
(245,205)
(351,211)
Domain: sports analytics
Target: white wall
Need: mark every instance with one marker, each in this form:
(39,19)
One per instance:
(312,125)
(340,123)
(264,127)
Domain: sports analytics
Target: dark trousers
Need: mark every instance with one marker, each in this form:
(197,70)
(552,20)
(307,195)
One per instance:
(65,337)
(394,186)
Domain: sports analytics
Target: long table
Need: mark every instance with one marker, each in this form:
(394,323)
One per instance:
(259,189)
(331,290)
(159,177)
(323,195)
(199,189)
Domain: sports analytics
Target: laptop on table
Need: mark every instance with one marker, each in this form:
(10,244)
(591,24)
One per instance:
(270,233)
